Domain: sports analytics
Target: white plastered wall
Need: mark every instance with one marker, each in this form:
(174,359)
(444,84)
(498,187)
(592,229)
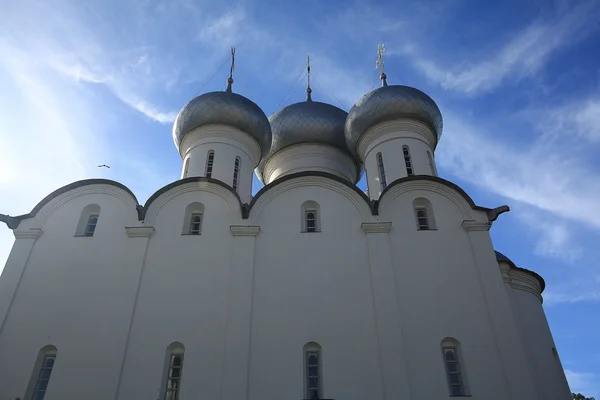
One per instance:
(388,138)
(227,143)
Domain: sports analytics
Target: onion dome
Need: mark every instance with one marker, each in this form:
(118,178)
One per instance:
(223,108)
(308,122)
(389,103)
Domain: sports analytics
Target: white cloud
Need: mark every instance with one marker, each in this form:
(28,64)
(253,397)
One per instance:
(522,56)
(548,178)
(553,236)
(586,383)
(576,296)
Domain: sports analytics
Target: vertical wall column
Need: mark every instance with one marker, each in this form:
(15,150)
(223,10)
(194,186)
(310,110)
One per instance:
(13,271)
(517,370)
(134,263)
(239,315)
(394,373)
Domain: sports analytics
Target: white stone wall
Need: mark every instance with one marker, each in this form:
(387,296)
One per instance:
(540,349)
(388,138)
(310,157)
(227,143)
(247,294)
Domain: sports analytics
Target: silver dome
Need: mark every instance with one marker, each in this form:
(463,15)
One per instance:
(306,122)
(225,108)
(388,103)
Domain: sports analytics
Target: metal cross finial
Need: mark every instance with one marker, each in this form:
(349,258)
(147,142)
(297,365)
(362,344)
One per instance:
(379,64)
(230,79)
(308,89)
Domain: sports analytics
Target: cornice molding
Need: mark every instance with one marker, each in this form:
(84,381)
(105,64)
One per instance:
(139,231)
(205,133)
(521,280)
(32,233)
(376,227)
(244,230)
(401,128)
(471,225)
(343,165)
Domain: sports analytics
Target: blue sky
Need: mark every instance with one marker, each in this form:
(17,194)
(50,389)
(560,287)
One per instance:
(518,83)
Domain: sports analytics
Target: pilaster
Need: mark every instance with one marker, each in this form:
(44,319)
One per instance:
(517,371)
(15,268)
(239,315)
(393,369)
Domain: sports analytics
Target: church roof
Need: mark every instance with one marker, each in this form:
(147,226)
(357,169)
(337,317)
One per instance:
(502,258)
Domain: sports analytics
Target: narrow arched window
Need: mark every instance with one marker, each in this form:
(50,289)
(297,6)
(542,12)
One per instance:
(173,371)
(424,214)
(407,161)
(88,220)
(381,169)
(454,368)
(311,220)
(42,373)
(194,214)
(186,167)
(422,220)
(195,223)
(312,371)
(431,164)
(236,173)
(90,227)
(310,217)
(210,159)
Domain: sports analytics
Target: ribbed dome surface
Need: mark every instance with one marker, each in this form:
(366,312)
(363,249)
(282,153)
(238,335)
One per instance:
(224,108)
(307,122)
(388,103)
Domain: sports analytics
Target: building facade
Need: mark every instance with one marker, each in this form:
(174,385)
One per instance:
(308,289)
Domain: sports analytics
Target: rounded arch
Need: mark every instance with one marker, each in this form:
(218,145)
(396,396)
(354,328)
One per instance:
(313,370)
(310,214)
(42,371)
(192,222)
(88,219)
(60,196)
(196,183)
(434,184)
(309,178)
(424,215)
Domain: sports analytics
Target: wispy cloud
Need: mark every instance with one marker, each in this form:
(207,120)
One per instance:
(521,57)
(586,383)
(553,237)
(551,298)
(548,178)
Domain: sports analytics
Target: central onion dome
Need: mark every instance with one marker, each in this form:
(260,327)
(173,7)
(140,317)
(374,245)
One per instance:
(223,108)
(308,122)
(389,103)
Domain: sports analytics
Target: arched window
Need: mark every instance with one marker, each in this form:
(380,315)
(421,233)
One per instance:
(173,371)
(210,159)
(88,220)
(431,164)
(407,161)
(313,387)
(381,169)
(424,214)
(310,217)
(194,214)
(42,372)
(236,173)
(455,372)
(186,167)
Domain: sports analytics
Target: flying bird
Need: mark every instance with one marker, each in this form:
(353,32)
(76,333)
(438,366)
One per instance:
(103,166)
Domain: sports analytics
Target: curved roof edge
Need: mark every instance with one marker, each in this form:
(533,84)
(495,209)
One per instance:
(183,181)
(492,213)
(13,222)
(502,258)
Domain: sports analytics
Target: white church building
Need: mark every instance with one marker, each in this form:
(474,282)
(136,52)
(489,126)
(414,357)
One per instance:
(308,289)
